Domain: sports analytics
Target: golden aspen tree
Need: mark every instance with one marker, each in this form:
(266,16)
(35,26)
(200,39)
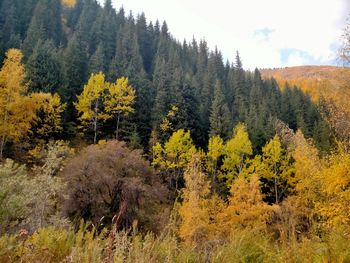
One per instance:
(176,153)
(49,114)
(307,168)
(215,150)
(194,209)
(119,100)
(334,196)
(276,166)
(17,111)
(235,151)
(90,103)
(246,208)
(166,123)
(68,3)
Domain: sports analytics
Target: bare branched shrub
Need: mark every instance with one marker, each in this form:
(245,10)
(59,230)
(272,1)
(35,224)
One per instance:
(110,182)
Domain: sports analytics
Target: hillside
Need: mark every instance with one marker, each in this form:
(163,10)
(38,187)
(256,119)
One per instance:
(118,143)
(328,81)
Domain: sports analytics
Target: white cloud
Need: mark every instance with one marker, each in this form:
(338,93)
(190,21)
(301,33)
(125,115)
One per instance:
(295,59)
(311,26)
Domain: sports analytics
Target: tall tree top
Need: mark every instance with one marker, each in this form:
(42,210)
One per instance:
(238,63)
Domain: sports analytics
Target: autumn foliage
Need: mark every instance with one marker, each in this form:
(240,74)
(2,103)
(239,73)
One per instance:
(21,111)
(119,143)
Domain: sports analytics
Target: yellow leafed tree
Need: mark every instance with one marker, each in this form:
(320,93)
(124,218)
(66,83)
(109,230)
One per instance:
(333,203)
(68,3)
(235,151)
(246,208)
(90,103)
(49,114)
(120,99)
(276,166)
(194,209)
(215,150)
(176,153)
(17,111)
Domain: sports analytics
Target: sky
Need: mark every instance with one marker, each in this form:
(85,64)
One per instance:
(267,33)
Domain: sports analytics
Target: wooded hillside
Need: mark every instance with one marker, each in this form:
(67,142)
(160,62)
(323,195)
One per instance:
(118,143)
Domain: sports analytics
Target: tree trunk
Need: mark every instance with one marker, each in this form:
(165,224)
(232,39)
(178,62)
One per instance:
(95,121)
(276,192)
(95,131)
(2,145)
(117,130)
(276,187)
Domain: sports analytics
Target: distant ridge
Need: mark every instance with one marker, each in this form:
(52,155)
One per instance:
(331,82)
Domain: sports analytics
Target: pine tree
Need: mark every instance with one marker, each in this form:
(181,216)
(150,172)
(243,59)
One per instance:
(109,31)
(44,68)
(97,61)
(9,36)
(144,37)
(75,68)
(257,112)
(45,25)
(240,91)
(188,116)
(161,82)
(220,115)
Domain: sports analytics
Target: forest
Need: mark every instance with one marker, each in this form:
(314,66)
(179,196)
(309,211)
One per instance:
(118,143)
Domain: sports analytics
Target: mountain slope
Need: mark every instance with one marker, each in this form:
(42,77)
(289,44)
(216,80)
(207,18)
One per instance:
(333,83)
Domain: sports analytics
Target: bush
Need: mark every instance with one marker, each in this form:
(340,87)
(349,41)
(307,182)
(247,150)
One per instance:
(110,182)
(14,192)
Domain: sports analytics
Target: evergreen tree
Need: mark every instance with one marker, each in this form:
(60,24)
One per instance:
(44,68)
(8,21)
(207,92)
(75,69)
(240,91)
(96,62)
(161,82)
(144,37)
(104,33)
(220,115)
(45,24)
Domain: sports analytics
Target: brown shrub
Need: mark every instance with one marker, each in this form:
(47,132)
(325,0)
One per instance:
(110,182)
